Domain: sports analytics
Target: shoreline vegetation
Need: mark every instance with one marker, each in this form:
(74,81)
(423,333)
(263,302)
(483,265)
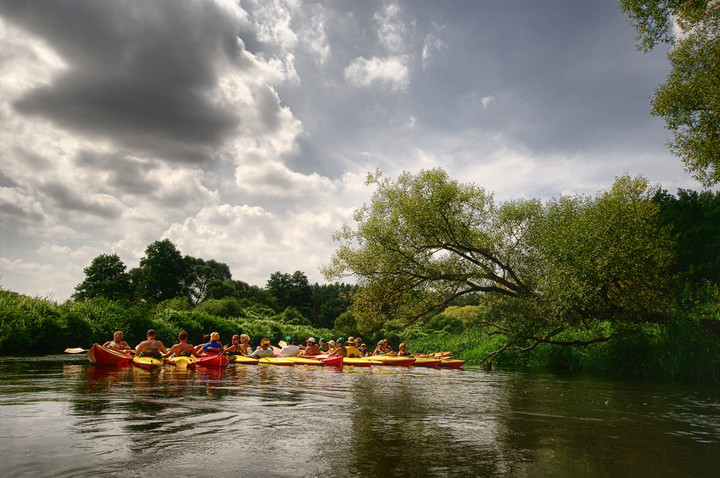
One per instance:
(685,348)
(625,283)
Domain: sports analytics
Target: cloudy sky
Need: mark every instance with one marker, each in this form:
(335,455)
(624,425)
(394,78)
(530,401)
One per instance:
(243,131)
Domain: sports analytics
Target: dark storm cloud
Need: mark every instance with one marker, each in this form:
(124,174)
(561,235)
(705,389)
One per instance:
(69,198)
(139,73)
(125,175)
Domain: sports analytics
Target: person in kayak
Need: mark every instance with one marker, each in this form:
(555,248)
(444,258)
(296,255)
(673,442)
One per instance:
(339,347)
(235,348)
(351,351)
(264,350)
(311,348)
(117,343)
(323,346)
(214,346)
(245,346)
(150,347)
(364,350)
(358,342)
(331,347)
(380,349)
(402,350)
(181,349)
(290,350)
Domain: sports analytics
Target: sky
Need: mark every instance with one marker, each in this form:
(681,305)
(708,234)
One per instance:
(243,131)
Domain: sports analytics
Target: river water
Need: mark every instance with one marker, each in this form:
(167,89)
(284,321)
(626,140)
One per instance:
(61,416)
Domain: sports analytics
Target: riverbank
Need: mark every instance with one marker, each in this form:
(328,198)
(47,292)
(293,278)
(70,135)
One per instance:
(682,349)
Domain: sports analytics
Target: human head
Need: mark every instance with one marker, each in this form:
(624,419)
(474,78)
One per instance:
(265,343)
(341,341)
(289,339)
(244,337)
(321,341)
(311,340)
(215,336)
(117,335)
(363,346)
(402,346)
(235,338)
(151,334)
(182,335)
(351,340)
(331,342)
(358,341)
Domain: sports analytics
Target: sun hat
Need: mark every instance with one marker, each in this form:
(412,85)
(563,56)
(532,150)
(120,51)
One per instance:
(322,339)
(289,338)
(351,339)
(311,339)
(341,340)
(331,342)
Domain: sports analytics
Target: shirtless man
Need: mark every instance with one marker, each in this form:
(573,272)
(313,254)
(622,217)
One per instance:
(311,348)
(118,343)
(151,347)
(182,349)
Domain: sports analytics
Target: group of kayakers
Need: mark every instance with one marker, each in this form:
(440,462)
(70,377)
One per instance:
(350,347)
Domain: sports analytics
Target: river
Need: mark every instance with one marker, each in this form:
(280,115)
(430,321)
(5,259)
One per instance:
(61,416)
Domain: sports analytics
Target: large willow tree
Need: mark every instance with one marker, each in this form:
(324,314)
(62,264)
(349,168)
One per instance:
(594,266)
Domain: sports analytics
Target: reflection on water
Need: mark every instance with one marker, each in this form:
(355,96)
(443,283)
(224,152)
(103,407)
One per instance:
(61,416)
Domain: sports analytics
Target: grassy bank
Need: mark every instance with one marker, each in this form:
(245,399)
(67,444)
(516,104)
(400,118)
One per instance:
(681,349)
(33,325)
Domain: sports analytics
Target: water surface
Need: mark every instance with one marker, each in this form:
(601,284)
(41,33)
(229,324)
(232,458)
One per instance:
(61,416)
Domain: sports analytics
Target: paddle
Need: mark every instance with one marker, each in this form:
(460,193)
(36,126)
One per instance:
(282,344)
(76,350)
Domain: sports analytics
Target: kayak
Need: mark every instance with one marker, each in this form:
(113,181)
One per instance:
(100,355)
(304,360)
(426,362)
(212,360)
(392,360)
(333,360)
(243,359)
(148,363)
(276,361)
(451,363)
(181,362)
(357,362)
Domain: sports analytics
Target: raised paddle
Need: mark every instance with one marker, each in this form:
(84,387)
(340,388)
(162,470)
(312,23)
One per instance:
(76,350)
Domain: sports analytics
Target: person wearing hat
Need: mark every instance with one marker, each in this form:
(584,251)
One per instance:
(351,350)
(290,349)
(311,348)
(264,350)
(364,350)
(339,347)
(331,346)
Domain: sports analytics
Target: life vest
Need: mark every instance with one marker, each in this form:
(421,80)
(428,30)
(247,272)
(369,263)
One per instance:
(352,351)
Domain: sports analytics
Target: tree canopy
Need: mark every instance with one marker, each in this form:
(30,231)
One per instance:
(426,240)
(104,277)
(689,100)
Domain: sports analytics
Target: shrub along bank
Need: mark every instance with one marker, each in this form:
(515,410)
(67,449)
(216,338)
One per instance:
(36,326)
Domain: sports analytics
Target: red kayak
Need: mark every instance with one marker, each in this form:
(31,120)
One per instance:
(100,355)
(219,360)
(333,360)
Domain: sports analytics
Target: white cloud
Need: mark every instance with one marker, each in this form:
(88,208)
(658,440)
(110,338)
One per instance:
(432,44)
(391,29)
(274,179)
(390,72)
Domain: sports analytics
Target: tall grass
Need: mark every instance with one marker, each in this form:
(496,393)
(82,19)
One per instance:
(35,325)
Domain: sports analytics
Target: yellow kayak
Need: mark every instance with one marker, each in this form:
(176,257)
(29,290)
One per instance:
(181,362)
(276,361)
(243,359)
(357,361)
(147,362)
(304,360)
